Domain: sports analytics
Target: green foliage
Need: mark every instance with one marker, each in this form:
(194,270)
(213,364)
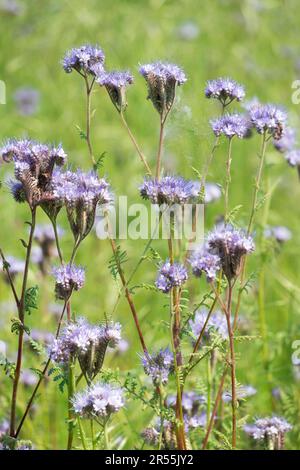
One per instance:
(31,298)
(116,261)
(17,326)
(59,376)
(8,367)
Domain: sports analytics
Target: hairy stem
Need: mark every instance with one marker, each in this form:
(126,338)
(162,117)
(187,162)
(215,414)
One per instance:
(160,148)
(89,88)
(228,180)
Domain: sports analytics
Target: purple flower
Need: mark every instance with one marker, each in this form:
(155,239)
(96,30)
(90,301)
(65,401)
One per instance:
(279,233)
(203,261)
(86,59)
(231,245)
(287,141)
(16,266)
(4,427)
(272,430)
(293,157)
(169,190)
(191,402)
(159,365)
(171,275)
(231,125)
(243,391)
(27,100)
(162,79)
(151,436)
(225,90)
(68,278)
(217,322)
(28,378)
(212,192)
(100,400)
(268,119)
(115,83)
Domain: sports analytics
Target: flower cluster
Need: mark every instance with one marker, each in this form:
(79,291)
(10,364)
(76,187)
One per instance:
(88,343)
(169,190)
(68,277)
(231,125)
(268,119)
(272,430)
(171,275)
(34,164)
(203,261)
(86,59)
(100,400)
(159,365)
(225,90)
(162,79)
(216,322)
(115,83)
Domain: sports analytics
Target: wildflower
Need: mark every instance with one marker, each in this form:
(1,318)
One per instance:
(162,79)
(87,343)
(225,90)
(115,83)
(28,378)
(279,233)
(68,277)
(216,322)
(15,266)
(243,392)
(271,430)
(191,402)
(40,336)
(212,192)
(231,125)
(151,436)
(231,245)
(159,365)
(171,275)
(293,159)
(27,100)
(168,190)
(99,400)
(268,119)
(203,261)
(4,427)
(81,193)
(86,59)
(287,141)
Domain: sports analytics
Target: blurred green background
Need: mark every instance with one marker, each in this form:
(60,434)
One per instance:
(256,43)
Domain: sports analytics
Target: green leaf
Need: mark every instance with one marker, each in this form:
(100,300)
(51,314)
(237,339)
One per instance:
(31,297)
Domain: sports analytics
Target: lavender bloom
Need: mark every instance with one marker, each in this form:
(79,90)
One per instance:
(225,90)
(243,392)
(231,245)
(4,427)
(268,119)
(279,233)
(40,336)
(231,125)
(159,365)
(34,164)
(212,192)
(115,83)
(27,100)
(287,141)
(86,59)
(88,343)
(162,79)
(99,400)
(191,402)
(151,436)
(28,378)
(188,31)
(17,191)
(168,190)
(171,275)
(81,193)
(16,266)
(293,158)
(68,278)
(203,261)
(271,430)
(217,322)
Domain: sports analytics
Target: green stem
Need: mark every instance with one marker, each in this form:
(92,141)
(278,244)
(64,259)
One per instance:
(228,180)
(160,147)
(82,435)
(71,391)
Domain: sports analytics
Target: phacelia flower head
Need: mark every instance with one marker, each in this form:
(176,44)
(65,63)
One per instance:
(231,125)
(202,261)
(34,164)
(287,141)
(217,323)
(81,192)
(116,83)
(159,365)
(100,400)
(268,119)
(162,79)
(231,245)
(86,59)
(88,343)
(168,190)
(171,275)
(68,277)
(225,90)
(27,100)
(270,430)
(279,233)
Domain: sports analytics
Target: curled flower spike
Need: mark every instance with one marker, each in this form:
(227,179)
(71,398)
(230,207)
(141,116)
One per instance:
(68,278)
(162,79)
(81,193)
(159,365)
(268,119)
(225,90)
(116,83)
(231,125)
(231,245)
(86,59)
(271,430)
(171,275)
(217,322)
(169,190)
(202,261)
(100,400)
